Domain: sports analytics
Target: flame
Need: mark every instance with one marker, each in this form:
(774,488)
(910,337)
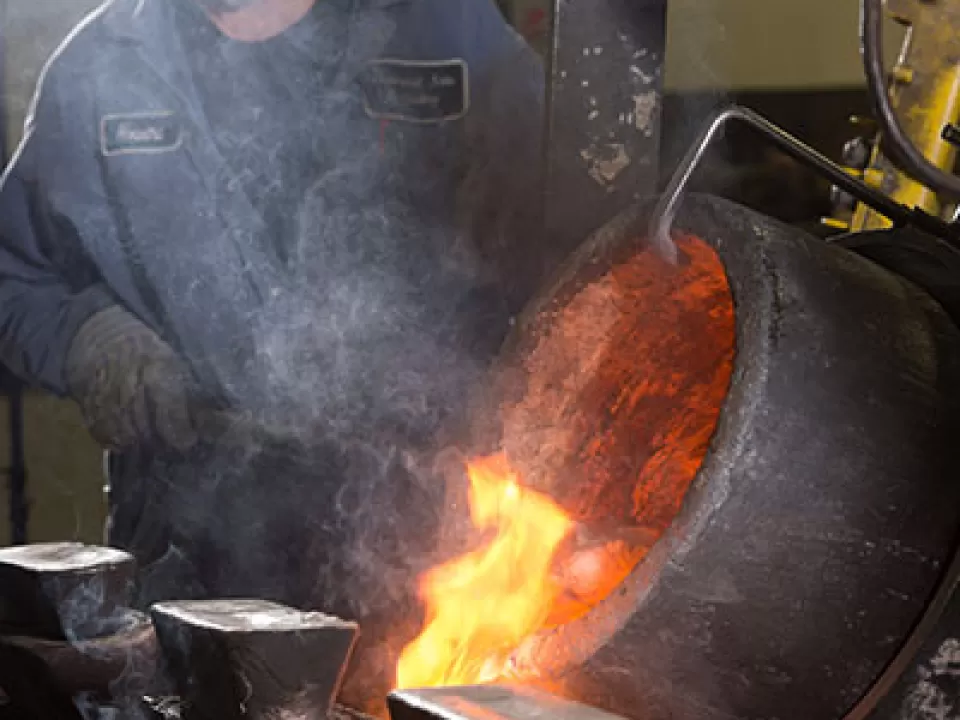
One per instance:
(620,400)
(481,606)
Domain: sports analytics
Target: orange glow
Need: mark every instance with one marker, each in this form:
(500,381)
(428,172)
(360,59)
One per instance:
(621,391)
(481,606)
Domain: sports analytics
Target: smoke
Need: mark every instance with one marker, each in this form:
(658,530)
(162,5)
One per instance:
(87,609)
(350,366)
(696,76)
(364,336)
(368,333)
(115,645)
(362,359)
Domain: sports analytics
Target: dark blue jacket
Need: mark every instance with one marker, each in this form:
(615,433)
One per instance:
(88,221)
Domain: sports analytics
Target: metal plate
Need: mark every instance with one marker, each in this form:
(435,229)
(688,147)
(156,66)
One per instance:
(488,702)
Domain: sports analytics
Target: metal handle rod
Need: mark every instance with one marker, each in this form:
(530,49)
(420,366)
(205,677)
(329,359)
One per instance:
(665,211)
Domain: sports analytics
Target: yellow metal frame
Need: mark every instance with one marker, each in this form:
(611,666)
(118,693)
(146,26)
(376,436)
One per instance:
(926,93)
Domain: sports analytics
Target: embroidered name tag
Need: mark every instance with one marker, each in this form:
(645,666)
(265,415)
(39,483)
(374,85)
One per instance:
(416,90)
(125,134)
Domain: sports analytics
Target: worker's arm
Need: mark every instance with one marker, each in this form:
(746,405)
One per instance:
(61,328)
(47,288)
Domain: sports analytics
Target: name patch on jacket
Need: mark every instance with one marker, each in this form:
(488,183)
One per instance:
(419,91)
(147,132)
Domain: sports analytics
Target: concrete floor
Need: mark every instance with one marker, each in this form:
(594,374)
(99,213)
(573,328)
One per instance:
(64,481)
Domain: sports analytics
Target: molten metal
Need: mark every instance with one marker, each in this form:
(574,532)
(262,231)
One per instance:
(623,386)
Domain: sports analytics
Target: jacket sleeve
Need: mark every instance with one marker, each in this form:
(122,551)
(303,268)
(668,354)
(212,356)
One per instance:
(48,285)
(504,187)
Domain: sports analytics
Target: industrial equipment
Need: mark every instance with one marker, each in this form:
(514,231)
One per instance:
(613,417)
(901,170)
(777,413)
(912,156)
(764,421)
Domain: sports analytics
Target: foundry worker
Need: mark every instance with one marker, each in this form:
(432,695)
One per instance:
(267,245)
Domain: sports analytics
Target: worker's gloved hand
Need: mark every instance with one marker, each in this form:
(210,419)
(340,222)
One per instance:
(227,428)
(131,386)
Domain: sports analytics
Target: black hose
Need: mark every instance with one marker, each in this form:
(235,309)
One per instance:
(896,145)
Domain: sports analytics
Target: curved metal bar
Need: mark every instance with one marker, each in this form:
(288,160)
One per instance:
(666,209)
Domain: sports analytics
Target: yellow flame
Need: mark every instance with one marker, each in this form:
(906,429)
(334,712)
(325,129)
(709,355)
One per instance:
(481,606)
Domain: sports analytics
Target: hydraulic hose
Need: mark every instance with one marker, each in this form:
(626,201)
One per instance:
(896,144)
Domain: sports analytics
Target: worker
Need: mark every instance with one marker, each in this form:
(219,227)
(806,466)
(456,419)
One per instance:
(266,245)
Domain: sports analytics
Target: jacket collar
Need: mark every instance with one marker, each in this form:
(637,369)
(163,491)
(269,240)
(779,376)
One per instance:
(149,26)
(136,20)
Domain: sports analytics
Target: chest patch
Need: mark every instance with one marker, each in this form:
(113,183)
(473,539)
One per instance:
(140,133)
(417,91)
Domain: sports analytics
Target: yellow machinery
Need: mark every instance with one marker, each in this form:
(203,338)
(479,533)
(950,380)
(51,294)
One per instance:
(923,91)
(905,174)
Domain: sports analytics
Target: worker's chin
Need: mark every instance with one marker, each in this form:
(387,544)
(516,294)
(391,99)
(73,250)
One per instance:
(225,6)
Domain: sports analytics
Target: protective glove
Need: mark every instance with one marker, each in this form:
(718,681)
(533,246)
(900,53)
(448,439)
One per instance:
(130,385)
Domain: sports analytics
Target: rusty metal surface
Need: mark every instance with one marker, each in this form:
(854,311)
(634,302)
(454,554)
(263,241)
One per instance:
(606,61)
(488,702)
